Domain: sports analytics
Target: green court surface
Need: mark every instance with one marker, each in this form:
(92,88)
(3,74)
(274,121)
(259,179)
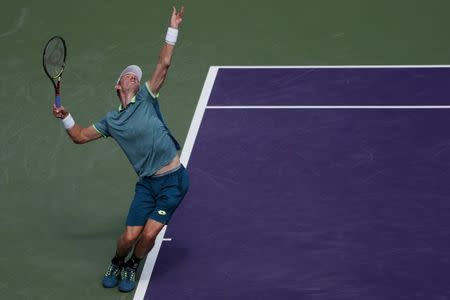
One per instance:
(63,205)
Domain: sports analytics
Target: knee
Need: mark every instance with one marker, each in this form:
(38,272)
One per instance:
(129,238)
(149,236)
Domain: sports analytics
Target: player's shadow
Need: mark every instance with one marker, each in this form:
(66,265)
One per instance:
(170,258)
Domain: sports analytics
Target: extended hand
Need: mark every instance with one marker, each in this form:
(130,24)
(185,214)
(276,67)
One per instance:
(177,17)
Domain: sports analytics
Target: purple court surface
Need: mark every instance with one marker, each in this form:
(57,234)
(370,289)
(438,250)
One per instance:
(295,202)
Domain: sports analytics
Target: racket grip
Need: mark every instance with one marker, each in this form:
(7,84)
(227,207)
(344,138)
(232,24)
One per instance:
(58,101)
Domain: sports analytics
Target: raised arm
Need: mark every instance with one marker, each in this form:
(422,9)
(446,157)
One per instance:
(165,55)
(78,134)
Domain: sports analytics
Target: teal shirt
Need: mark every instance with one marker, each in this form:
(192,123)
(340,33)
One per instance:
(141,132)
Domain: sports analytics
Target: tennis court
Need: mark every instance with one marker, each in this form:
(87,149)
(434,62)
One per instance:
(313,183)
(308,181)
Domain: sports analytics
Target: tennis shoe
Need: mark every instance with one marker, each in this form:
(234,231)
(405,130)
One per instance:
(127,280)
(112,275)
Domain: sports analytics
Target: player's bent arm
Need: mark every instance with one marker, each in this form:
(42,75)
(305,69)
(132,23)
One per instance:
(81,135)
(78,134)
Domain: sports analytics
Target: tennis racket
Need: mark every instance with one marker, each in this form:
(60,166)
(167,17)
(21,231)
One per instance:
(54,61)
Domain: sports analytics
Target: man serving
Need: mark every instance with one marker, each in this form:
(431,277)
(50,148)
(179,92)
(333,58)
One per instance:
(140,130)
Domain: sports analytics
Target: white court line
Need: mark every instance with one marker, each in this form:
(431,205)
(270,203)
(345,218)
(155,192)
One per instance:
(337,67)
(144,280)
(330,107)
(334,106)
(198,115)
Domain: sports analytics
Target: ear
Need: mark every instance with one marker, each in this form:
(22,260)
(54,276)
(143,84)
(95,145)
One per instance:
(118,87)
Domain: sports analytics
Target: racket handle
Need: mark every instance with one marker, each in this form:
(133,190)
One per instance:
(57,93)
(58,101)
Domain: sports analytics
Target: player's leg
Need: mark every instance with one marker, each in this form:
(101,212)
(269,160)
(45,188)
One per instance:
(142,247)
(124,244)
(170,190)
(141,206)
(126,241)
(148,237)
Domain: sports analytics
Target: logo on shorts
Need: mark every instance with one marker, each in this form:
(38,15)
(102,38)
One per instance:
(162,212)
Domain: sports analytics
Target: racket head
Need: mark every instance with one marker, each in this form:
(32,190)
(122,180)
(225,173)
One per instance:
(54,58)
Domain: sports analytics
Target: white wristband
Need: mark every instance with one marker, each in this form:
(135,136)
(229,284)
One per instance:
(171,36)
(68,122)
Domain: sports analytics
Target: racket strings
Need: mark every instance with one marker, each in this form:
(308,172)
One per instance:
(54,56)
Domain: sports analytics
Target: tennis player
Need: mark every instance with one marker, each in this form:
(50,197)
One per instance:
(140,130)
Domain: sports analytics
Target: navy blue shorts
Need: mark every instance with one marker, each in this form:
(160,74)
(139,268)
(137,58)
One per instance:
(157,197)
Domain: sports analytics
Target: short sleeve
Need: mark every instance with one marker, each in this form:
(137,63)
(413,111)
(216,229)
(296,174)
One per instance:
(102,127)
(145,93)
